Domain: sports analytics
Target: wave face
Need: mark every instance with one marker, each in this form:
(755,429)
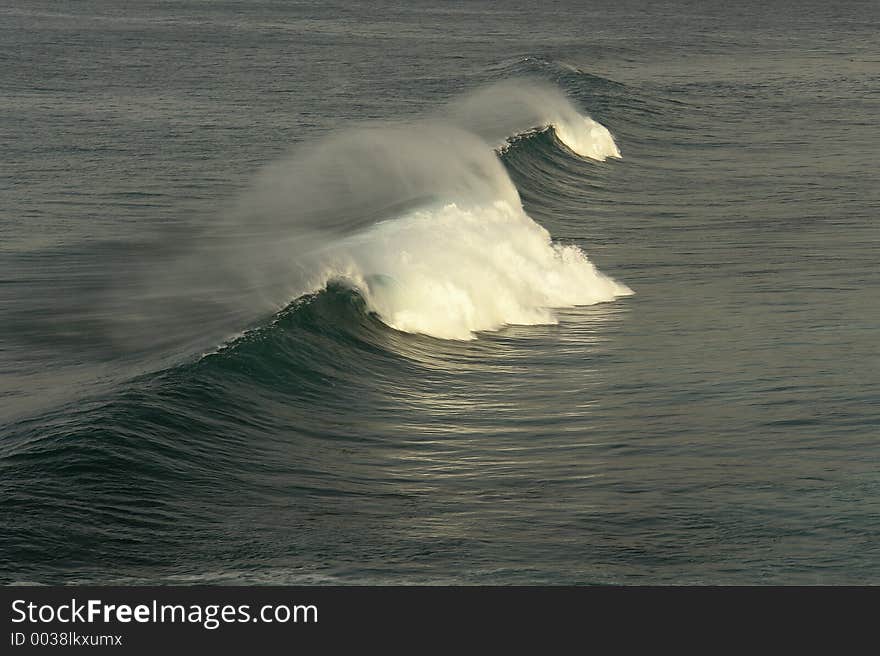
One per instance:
(421,218)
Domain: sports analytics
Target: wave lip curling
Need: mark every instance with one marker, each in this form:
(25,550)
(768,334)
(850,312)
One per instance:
(513,107)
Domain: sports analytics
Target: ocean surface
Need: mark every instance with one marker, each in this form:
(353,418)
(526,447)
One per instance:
(444,293)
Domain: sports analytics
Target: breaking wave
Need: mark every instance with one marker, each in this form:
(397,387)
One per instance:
(423,219)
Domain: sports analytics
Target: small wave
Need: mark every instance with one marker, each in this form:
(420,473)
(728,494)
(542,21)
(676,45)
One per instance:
(514,107)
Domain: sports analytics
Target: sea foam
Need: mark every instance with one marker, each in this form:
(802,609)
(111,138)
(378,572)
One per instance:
(452,271)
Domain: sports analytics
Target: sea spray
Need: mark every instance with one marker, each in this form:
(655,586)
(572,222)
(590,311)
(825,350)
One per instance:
(513,107)
(420,216)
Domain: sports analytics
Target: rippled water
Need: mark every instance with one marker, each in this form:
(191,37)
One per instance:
(721,425)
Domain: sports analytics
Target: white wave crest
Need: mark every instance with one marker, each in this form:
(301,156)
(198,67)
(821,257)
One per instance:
(450,272)
(587,138)
(514,107)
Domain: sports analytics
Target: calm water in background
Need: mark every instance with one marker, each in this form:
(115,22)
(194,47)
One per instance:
(722,425)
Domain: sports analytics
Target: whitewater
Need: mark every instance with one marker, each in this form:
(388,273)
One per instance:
(421,218)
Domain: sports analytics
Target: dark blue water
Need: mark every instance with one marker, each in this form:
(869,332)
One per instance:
(277,307)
